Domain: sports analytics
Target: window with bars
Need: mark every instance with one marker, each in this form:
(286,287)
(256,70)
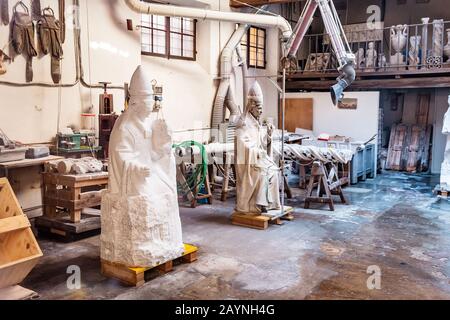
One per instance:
(168,37)
(253,46)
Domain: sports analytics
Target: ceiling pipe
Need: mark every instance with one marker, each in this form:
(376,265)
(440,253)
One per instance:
(203,14)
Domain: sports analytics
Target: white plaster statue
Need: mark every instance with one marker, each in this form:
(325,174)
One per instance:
(414,49)
(371,57)
(438,38)
(447,47)
(445,169)
(258,187)
(360,58)
(140,216)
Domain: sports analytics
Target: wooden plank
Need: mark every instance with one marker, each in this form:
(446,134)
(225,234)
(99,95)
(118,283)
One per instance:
(28,162)
(396,147)
(92,201)
(299,114)
(14,223)
(423,109)
(254,222)
(373,84)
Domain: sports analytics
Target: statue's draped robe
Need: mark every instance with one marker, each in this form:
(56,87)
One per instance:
(445,169)
(140,216)
(257,174)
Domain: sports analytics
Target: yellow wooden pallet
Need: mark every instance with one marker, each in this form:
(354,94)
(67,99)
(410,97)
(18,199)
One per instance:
(136,276)
(260,222)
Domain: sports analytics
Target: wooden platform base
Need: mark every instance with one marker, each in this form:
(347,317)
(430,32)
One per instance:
(442,191)
(136,276)
(262,222)
(63,228)
(17,293)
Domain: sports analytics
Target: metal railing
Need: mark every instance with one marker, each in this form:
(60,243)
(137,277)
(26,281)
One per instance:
(415,48)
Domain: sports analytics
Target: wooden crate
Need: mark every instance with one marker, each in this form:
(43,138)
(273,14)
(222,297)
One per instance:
(136,276)
(261,222)
(19,250)
(68,193)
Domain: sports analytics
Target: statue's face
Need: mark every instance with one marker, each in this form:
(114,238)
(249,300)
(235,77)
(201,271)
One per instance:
(256,109)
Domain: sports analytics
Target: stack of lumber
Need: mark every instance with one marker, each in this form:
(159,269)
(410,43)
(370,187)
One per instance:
(75,166)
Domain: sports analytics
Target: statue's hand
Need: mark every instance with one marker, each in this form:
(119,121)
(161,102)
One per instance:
(145,171)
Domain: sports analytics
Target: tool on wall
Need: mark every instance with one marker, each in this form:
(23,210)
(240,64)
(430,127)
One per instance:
(62,19)
(22,37)
(36,11)
(4,8)
(106,103)
(48,28)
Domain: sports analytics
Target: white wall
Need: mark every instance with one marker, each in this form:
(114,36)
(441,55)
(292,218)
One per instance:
(360,124)
(30,114)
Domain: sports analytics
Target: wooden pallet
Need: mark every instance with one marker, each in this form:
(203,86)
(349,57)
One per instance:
(261,222)
(441,192)
(136,276)
(68,192)
(63,228)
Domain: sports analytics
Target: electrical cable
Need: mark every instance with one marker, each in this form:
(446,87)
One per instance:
(201,171)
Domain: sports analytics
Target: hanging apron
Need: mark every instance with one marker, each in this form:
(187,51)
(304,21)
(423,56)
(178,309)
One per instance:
(22,37)
(4,10)
(50,42)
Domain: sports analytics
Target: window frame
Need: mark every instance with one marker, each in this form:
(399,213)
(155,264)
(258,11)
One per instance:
(168,32)
(256,46)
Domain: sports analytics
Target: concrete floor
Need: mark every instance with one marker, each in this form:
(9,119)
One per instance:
(393,222)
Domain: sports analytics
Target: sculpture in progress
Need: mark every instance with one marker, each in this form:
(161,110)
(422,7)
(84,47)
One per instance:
(445,170)
(256,172)
(140,216)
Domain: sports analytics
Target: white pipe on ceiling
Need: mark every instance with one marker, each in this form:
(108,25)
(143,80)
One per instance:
(203,14)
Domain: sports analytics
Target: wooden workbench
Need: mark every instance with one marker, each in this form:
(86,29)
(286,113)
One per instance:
(28,190)
(7,166)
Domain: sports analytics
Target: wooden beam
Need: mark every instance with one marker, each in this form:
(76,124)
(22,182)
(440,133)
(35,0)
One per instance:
(236,4)
(375,84)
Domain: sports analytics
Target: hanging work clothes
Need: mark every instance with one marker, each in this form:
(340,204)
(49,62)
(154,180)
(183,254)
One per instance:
(22,37)
(4,11)
(36,9)
(62,19)
(50,42)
